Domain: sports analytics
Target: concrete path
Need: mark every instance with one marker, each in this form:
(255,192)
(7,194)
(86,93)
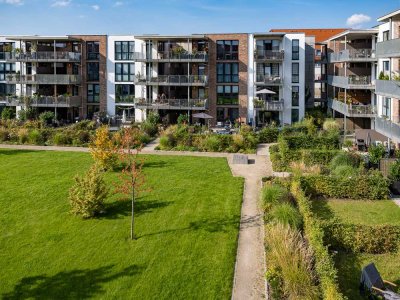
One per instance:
(249,279)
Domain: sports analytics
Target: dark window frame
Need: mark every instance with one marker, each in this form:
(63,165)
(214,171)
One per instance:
(120,76)
(119,92)
(223,53)
(295,76)
(90,54)
(227,75)
(295,49)
(93,97)
(227,96)
(295,95)
(90,76)
(124,55)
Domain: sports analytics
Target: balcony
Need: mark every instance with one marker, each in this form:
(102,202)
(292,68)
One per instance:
(268,80)
(172,104)
(45,101)
(125,100)
(43,57)
(387,128)
(351,110)
(43,79)
(388,88)
(353,55)
(261,105)
(389,48)
(170,56)
(173,80)
(264,55)
(351,82)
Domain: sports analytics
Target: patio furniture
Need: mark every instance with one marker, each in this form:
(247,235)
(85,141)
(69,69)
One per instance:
(371,283)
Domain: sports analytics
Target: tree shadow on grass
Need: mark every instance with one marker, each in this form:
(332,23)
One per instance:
(321,209)
(16,152)
(122,208)
(75,284)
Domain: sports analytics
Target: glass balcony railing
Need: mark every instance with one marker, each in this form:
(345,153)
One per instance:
(43,56)
(43,79)
(44,101)
(193,104)
(185,80)
(269,55)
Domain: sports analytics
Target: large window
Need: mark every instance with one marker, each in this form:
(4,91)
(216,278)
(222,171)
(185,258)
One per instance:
(124,92)
(295,96)
(386,35)
(227,95)
(7,89)
(6,69)
(386,107)
(295,115)
(269,70)
(91,110)
(92,71)
(228,50)
(268,45)
(124,72)
(228,72)
(93,93)
(295,49)
(295,73)
(5,47)
(124,50)
(92,49)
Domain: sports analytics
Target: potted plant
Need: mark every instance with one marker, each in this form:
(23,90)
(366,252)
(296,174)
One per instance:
(394,176)
(18,52)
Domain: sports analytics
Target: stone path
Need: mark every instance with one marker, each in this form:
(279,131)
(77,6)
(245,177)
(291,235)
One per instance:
(249,279)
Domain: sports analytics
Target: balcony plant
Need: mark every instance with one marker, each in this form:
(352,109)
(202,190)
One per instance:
(7,48)
(258,103)
(382,76)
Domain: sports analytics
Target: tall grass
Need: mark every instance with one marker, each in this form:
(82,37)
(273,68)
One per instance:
(286,214)
(272,195)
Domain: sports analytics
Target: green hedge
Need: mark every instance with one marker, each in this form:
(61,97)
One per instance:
(314,233)
(303,141)
(374,239)
(371,185)
(268,135)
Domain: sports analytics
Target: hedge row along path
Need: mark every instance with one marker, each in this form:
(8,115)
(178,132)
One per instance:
(249,279)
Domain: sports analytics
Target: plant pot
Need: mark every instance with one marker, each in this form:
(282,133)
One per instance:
(395,187)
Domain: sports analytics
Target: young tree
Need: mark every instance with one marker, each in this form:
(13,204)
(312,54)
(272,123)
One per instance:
(102,148)
(132,179)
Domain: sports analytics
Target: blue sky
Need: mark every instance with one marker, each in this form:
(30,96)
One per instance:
(59,17)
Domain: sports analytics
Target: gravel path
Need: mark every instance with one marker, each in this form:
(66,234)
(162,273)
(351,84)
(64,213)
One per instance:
(249,279)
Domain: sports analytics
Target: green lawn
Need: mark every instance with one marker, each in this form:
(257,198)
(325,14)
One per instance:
(187,228)
(359,211)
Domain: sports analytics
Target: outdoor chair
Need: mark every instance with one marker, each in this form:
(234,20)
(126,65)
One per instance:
(372,284)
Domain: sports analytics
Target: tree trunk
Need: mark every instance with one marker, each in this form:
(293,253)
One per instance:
(133,214)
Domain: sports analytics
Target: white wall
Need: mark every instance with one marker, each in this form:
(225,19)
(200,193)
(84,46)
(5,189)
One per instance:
(251,78)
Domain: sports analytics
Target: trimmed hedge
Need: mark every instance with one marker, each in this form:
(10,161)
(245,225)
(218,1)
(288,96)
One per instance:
(303,141)
(268,135)
(371,185)
(374,239)
(314,233)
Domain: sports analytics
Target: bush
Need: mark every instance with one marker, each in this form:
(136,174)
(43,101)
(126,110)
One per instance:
(212,143)
(346,159)
(23,135)
(102,149)
(303,141)
(268,135)
(394,171)
(324,266)
(35,137)
(376,153)
(47,117)
(88,194)
(331,125)
(166,142)
(7,114)
(61,138)
(285,214)
(318,157)
(4,134)
(345,171)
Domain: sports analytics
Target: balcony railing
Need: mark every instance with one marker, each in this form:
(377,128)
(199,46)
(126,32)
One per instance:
(43,79)
(125,100)
(44,101)
(351,82)
(172,104)
(353,55)
(390,48)
(387,128)
(43,56)
(388,88)
(173,80)
(172,56)
(352,110)
(268,80)
(269,105)
(269,55)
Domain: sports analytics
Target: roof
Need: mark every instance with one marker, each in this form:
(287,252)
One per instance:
(394,14)
(355,33)
(321,34)
(169,37)
(38,38)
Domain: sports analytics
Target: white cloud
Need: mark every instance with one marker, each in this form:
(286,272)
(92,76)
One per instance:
(357,20)
(118,3)
(61,3)
(12,2)
(95,7)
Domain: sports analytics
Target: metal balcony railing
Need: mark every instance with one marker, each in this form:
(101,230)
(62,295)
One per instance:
(269,54)
(269,105)
(353,55)
(185,80)
(178,104)
(352,81)
(387,128)
(44,101)
(43,79)
(268,79)
(352,110)
(43,56)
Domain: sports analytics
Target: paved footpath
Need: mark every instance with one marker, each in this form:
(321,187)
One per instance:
(249,279)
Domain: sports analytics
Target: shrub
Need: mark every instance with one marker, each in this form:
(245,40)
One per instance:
(182,119)
(47,117)
(166,142)
(212,143)
(275,282)
(318,157)
(286,214)
(4,134)
(88,193)
(288,252)
(35,137)
(23,135)
(7,114)
(345,171)
(346,159)
(268,134)
(376,153)
(303,141)
(102,149)
(61,138)
(331,125)
(273,195)
(394,171)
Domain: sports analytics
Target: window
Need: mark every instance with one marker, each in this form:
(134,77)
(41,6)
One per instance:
(124,92)
(318,52)
(7,89)
(228,72)
(6,69)
(92,49)
(386,66)
(92,71)
(386,35)
(227,50)
(202,93)
(124,50)
(295,50)
(227,95)
(295,96)
(270,70)
(295,73)
(201,70)
(386,107)
(124,72)
(268,45)
(220,114)
(93,93)
(91,110)
(295,115)
(4,48)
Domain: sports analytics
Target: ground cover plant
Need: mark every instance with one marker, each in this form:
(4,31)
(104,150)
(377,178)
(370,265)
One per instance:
(186,229)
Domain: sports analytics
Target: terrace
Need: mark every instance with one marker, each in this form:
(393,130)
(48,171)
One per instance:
(44,101)
(352,110)
(173,80)
(172,104)
(43,79)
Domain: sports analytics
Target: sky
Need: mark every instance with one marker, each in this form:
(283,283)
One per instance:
(61,17)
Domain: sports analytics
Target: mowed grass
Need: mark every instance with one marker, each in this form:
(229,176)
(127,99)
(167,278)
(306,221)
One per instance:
(187,229)
(358,211)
